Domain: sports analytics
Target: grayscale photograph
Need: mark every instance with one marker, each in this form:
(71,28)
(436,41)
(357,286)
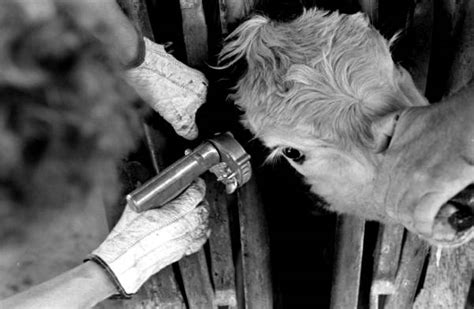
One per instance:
(237,154)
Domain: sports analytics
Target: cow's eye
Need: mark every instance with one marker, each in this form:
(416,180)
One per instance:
(293,154)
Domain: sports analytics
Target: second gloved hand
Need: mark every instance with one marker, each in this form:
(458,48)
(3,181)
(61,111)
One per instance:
(170,87)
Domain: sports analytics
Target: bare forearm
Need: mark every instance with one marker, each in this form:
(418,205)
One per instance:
(128,39)
(81,287)
(124,39)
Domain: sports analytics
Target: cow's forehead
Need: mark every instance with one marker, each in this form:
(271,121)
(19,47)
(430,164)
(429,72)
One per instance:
(330,73)
(290,138)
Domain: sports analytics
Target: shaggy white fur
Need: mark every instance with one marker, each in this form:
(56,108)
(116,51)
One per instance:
(321,84)
(325,75)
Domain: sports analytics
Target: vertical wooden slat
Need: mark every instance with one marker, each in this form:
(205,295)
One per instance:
(196,281)
(194,32)
(347,267)
(448,17)
(462,69)
(137,12)
(447,282)
(155,141)
(418,37)
(222,264)
(387,257)
(234,10)
(194,270)
(252,268)
(223,11)
(371,8)
(255,248)
(409,272)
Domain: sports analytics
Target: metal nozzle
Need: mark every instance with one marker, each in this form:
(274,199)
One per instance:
(223,155)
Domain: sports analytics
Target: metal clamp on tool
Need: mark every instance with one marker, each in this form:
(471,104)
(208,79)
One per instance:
(222,155)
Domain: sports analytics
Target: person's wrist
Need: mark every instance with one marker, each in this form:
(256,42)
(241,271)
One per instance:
(126,40)
(103,283)
(134,49)
(108,276)
(138,56)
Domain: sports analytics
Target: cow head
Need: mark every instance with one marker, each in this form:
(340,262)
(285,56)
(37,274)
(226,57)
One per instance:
(323,92)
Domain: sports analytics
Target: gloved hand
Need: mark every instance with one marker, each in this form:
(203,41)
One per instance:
(143,243)
(171,88)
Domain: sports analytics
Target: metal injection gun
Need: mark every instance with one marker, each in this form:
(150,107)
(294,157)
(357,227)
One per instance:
(222,155)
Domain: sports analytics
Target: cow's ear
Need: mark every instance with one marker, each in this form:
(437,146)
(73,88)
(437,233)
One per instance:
(408,88)
(383,130)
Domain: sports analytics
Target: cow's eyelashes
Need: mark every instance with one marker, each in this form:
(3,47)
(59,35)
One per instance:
(293,154)
(383,131)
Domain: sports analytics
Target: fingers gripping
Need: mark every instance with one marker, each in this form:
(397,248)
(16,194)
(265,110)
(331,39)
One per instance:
(184,203)
(170,212)
(143,243)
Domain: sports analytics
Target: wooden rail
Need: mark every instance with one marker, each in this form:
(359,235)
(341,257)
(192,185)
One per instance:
(348,263)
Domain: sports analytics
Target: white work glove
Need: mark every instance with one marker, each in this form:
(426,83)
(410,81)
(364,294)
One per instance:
(143,243)
(171,88)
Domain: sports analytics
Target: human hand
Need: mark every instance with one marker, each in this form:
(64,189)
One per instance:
(171,88)
(141,244)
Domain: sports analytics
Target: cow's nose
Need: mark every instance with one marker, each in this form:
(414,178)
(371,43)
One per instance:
(462,219)
(455,217)
(452,218)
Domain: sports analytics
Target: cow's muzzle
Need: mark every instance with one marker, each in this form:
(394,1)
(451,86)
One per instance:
(454,222)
